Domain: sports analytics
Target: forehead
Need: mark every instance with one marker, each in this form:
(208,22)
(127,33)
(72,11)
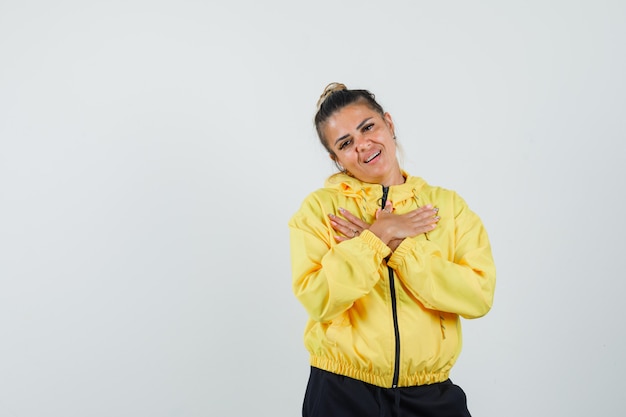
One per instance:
(349,117)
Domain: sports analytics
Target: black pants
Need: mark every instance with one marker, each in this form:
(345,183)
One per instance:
(331,395)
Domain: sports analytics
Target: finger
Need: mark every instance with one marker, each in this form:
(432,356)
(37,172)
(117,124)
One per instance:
(387,209)
(430,209)
(424,212)
(343,227)
(338,222)
(429,223)
(419,221)
(353,219)
(426,217)
(340,239)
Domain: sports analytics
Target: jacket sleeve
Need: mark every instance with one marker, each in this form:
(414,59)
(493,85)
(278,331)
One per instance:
(327,278)
(463,282)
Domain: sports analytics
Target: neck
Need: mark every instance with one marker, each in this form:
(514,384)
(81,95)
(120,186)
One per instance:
(395,179)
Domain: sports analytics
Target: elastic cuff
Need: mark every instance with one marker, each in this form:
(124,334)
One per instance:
(375,243)
(401,251)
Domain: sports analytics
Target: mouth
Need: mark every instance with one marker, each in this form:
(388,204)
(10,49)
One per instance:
(372,157)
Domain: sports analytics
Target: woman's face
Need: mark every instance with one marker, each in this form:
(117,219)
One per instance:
(363,143)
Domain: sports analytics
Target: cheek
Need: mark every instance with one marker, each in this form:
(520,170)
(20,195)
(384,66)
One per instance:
(347,158)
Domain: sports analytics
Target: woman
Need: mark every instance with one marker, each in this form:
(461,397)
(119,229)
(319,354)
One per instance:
(384,265)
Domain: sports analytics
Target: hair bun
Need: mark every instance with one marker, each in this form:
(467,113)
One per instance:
(330,89)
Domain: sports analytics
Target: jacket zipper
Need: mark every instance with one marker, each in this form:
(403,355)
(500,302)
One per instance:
(394,308)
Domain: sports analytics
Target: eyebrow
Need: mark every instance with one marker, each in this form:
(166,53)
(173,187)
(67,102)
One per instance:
(359,126)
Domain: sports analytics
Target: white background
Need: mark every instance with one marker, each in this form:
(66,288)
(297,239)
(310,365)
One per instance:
(152,152)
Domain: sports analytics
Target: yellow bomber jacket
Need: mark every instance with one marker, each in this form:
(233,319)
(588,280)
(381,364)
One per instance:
(355,328)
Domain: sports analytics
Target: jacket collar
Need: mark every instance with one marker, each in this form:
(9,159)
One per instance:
(355,188)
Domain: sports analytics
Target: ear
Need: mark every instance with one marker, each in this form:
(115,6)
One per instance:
(333,157)
(389,123)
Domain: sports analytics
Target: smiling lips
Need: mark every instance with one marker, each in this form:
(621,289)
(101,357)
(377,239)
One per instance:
(368,160)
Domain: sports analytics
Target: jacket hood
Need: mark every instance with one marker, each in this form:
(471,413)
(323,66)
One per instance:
(352,187)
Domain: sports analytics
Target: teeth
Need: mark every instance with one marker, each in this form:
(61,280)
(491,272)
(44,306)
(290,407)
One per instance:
(372,157)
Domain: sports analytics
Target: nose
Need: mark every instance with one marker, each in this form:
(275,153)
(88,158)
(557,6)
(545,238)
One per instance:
(362,143)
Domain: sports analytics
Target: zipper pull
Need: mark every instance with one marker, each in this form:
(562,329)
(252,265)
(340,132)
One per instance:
(383,200)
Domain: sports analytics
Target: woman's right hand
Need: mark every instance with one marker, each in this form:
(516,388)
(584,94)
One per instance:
(394,228)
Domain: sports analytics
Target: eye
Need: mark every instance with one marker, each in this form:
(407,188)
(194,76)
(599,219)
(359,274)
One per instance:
(368,127)
(344,144)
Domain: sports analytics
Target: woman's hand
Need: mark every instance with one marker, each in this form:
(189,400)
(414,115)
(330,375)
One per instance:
(394,228)
(391,228)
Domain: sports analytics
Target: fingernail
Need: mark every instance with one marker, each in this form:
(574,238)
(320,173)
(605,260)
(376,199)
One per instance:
(332,216)
(436,209)
(341,209)
(437,217)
